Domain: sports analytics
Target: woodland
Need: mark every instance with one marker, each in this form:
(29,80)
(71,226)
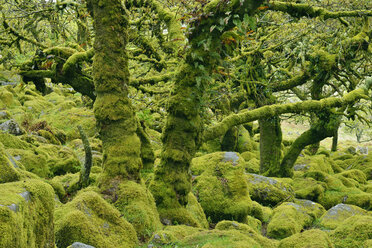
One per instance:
(175,123)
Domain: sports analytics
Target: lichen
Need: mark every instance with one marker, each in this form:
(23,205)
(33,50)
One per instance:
(88,218)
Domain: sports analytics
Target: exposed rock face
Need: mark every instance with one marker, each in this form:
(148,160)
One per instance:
(337,214)
(268,191)
(11,127)
(80,245)
(26,214)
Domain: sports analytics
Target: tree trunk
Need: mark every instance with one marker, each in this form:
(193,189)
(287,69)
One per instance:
(114,113)
(270,145)
(335,140)
(316,133)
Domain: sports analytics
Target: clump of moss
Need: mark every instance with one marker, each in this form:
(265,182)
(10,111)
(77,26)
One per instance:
(247,230)
(337,214)
(8,171)
(308,188)
(356,175)
(287,220)
(26,214)
(309,238)
(220,187)
(11,141)
(137,205)
(268,191)
(171,234)
(88,218)
(32,161)
(353,232)
(314,163)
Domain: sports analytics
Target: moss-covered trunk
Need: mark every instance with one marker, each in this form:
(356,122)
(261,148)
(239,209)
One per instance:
(181,138)
(114,113)
(316,133)
(270,145)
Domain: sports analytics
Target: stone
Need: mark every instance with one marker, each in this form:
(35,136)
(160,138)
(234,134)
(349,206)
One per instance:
(11,127)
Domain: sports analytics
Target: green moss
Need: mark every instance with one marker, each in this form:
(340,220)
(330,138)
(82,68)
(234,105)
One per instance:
(11,141)
(49,136)
(136,204)
(254,223)
(353,232)
(67,120)
(288,219)
(308,188)
(315,163)
(220,187)
(91,220)
(310,238)
(171,234)
(8,170)
(268,191)
(337,214)
(6,98)
(26,214)
(247,230)
(32,161)
(355,174)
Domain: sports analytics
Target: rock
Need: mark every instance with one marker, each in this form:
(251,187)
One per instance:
(288,219)
(362,149)
(268,191)
(80,245)
(4,115)
(137,205)
(26,214)
(11,127)
(247,230)
(220,187)
(337,214)
(88,218)
(8,172)
(353,232)
(309,238)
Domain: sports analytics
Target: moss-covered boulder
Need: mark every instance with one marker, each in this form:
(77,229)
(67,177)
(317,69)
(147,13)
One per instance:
(89,219)
(8,170)
(171,234)
(288,219)
(11,141)
(220,186)
(268,191)
(353,232)
(313,238)
(260,212)
(308,188)
(26,214)
(11,127)
(32,161)
(137,205)
(337,214)
(314,163)
(231,238)
(248,230)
